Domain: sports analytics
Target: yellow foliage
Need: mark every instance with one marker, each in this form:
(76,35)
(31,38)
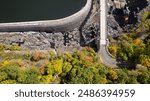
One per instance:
(6,63)
(113,49)
(138,42)
(49,69)
(145,60)
(46,79)
(57,66)
(103,80)
(113,74)
(69,57)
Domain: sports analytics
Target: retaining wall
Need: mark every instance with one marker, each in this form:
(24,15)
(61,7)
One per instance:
(58,25)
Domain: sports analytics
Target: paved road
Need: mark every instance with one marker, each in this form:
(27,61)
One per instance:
(105,56)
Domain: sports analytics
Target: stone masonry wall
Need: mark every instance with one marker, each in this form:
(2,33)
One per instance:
(76,38)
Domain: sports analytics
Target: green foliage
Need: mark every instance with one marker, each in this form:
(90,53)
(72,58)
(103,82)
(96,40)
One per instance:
(32,76)
(27,56)
(143,75)
(145,23)
(145,60)
(112,75)
(66,67)
(9,47)
(112,48)
(122,76)
(14,48)
(9,82)
(132,77)
(3,76)
(13,74)
(146,16)
(46,74)
(131,49)
(147,47)
(2,47)
(9,73)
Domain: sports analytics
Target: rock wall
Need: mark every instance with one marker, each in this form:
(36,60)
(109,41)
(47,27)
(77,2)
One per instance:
(41,40)
(74,38)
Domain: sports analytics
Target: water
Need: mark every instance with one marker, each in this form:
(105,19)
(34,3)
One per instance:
(35,10)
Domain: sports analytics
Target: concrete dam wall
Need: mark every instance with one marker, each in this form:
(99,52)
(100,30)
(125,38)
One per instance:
(58,25)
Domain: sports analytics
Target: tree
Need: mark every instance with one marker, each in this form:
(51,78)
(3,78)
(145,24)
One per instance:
(122,76)
(143,75)
(31,77)
(145,60)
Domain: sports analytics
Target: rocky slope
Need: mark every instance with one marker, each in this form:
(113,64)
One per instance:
(125,14)
(78,37)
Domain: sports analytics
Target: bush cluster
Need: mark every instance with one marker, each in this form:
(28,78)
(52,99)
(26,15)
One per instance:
(79,67)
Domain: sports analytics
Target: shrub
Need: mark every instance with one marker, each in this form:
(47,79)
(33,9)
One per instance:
(6,63)
(113,49)
(27,56)
(145,60)
(3,76)
(112,75)
(14,48)
(145,16)
(57,65)
(66,67)
(9,72)
(37,55)
(2,47)
(122,76)
(9,82)
(32,75)
(46,79)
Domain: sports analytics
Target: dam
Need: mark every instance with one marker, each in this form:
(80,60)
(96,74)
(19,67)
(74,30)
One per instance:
(57,25)
(87,26)
(36,10)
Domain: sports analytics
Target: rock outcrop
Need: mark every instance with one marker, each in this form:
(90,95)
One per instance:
(124,14)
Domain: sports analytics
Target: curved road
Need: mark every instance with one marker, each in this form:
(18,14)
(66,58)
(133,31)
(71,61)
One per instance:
(106,59)
(104,55)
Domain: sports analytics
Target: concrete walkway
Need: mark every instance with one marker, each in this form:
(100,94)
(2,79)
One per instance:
(104,55)
(103,22)
(106,59)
